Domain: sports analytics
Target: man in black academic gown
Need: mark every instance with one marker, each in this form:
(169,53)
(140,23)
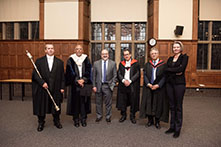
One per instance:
(52,71)
(78,77)
(129,86)
(154,102)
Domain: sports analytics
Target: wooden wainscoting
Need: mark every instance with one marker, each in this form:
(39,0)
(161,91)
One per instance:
(14,64)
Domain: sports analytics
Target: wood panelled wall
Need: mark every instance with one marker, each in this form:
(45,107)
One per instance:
(211,79)
(15,64)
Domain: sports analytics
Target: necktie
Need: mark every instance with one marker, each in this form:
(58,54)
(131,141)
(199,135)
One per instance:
(152,75)
(104,76)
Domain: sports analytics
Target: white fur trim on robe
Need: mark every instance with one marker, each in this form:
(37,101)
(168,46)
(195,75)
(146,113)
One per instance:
(79,61)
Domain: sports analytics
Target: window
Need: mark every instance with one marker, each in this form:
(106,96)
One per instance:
(96,51)
(140,53)
(23,30)
(216,56)
(110,30)
(126,31)
(140,31)
(209,45)
(9,30)
(111,48)
(216,31)
(19,30)
(116,37)
(96,31)
(202,53)
(203,30)
(34,30)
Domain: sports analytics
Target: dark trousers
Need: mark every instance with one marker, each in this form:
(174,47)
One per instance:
(129,100)
(82,112)
(175,93)
(151,118)
(56,118)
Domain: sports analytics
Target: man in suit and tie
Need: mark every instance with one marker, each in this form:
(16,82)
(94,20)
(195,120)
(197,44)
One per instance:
(104,79)
(52,71)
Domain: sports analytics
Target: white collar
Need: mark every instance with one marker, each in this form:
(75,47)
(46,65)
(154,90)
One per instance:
(50,57)
(128,63)
(78,60)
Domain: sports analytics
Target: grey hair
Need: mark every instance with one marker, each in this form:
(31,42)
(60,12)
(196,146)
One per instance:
(154,49)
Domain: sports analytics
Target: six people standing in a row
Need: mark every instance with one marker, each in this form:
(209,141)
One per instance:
(161,81)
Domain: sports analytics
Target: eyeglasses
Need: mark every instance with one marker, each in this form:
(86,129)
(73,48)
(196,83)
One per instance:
(126,54)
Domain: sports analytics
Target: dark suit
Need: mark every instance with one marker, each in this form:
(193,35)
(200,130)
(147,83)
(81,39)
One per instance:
(42,103)
(176,85)
(104,89)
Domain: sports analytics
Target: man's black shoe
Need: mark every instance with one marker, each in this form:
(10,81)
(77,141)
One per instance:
(40,127)
(83,123)
(123,118)
(157,125)
(76,124)
(169,131)
(149,123)
(108,120)
(176,134)
(98,119)
(133,120)
(58,125)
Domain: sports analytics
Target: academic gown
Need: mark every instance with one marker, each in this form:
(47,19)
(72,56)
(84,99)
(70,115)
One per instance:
(71,77)
(42,103)
(155,102)
(134,87)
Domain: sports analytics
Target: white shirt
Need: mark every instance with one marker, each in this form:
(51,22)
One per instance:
(155,69)
(79,61)
(50,60)
(127,72)
(103,68)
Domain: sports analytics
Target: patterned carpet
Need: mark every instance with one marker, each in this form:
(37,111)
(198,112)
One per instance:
(201,128)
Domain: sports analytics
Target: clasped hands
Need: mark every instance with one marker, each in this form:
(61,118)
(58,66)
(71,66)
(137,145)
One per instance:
(153,87)
(81,82)
(127,83)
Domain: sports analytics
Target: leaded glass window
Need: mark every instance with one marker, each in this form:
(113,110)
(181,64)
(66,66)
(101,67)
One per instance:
(126,31)
(139,53)
(110,31)
(9,30)
(140,31)
(96,31)
(111,48)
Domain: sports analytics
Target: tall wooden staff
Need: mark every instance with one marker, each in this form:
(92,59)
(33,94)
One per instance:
(30,57)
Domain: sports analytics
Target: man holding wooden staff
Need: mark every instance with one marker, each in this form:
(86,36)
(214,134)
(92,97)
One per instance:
(51,70)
